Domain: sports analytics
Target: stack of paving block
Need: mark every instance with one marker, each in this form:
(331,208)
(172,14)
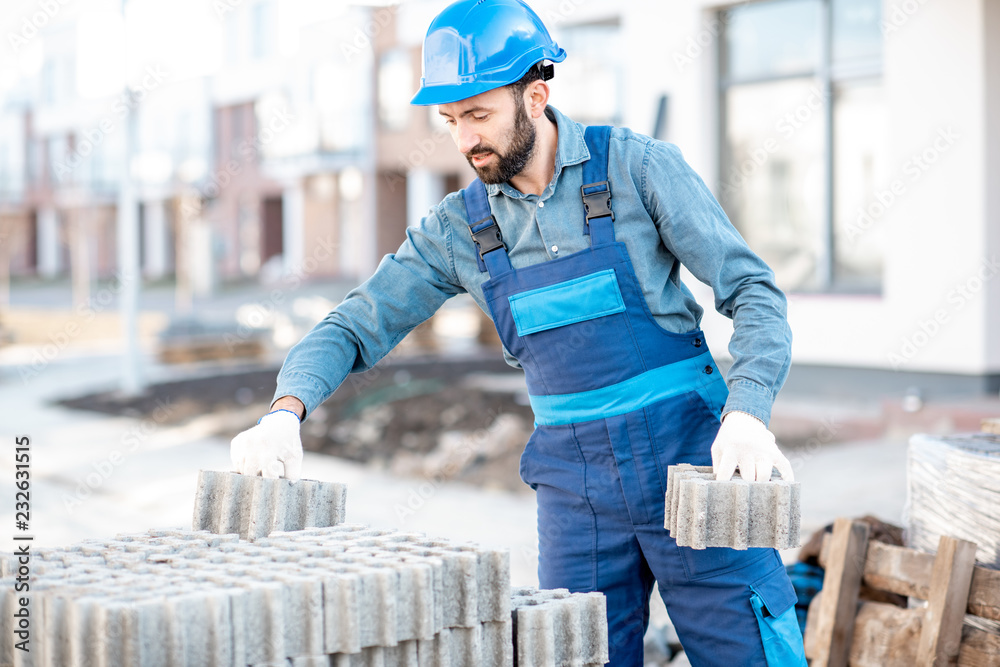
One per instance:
(254,507)
(348,595)
(556,627)
(701,512)
(261,588)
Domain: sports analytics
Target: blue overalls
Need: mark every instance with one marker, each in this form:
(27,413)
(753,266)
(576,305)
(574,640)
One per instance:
(617,399)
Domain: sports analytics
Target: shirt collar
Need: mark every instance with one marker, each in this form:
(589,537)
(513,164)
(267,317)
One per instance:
(571,149)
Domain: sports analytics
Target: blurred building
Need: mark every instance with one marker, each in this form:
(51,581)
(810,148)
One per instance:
(854,143)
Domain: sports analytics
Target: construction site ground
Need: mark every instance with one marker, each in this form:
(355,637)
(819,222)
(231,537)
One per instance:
(427,443)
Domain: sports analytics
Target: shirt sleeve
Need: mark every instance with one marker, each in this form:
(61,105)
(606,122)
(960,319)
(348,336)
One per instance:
(406,289)
(695,229)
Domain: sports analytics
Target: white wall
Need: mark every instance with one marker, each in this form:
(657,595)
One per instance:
(940,240)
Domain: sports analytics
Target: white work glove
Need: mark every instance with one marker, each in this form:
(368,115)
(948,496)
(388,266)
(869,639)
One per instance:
(743,440)
(271,449)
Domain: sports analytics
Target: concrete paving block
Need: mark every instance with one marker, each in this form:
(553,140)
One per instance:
(556,627)
(264,622)
(323,504)
(341,616)
(266,508)
(415,600)
(191,597)
(453,647)
(497,644)
(239,599)
(701,512)
(455,585)
(188,623)
(8,564)
(87,630)
(8,603)
(493,580)
(435,607)
(310,661)
(403,654)
(377,605)
(303,608)
(56,642)
(253,507)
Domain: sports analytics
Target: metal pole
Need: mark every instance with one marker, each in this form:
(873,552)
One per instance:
(128,258)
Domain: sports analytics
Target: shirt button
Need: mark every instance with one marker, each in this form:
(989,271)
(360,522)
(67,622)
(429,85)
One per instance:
(708,370)
(555,250)
(541,204)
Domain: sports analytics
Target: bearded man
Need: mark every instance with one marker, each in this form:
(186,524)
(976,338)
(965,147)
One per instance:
(587,298)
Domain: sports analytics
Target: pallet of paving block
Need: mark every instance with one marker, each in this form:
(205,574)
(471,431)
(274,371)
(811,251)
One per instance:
(840,632)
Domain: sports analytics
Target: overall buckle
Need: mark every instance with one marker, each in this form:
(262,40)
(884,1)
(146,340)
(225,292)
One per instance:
(597,204)
(488,238)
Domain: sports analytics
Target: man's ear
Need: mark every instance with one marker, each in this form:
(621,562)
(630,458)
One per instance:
(536,98)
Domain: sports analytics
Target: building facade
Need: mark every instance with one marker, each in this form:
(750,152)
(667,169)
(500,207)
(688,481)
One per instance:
(855,144)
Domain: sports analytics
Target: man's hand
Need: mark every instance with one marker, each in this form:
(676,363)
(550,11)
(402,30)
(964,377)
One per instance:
(272,448)
(744,440)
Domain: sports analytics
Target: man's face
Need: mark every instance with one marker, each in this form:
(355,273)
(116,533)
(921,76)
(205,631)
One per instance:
(494,133)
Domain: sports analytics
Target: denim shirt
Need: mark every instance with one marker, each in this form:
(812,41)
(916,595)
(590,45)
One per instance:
(664,214)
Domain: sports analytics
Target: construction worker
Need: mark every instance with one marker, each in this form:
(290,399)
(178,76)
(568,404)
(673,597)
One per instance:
(572,240)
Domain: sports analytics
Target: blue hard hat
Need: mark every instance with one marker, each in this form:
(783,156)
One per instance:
(478,45)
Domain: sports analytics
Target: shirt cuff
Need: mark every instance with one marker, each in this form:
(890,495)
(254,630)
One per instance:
(303,387)
(750,397)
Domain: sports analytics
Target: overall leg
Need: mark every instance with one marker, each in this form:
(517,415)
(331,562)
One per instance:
(729,607)
(708,595)
(585,538)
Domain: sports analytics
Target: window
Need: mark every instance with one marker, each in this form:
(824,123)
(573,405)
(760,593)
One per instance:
(587,85)
(395,83)
(803,127)
(263,30)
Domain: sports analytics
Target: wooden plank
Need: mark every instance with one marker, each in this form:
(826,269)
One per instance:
(984,594)
(885,635)
(941,636)
(979,649)
(898,570)
(824,550)
(812,618)
(844,569)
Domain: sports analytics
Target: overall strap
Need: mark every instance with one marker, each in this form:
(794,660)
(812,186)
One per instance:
(596,191)
(485,231)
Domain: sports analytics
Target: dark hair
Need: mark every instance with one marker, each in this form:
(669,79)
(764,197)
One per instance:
(537,72)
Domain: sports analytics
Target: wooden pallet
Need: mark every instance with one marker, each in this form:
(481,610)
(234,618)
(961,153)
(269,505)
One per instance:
(841,631)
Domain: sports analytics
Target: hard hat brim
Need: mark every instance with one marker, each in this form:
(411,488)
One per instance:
(446,93)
